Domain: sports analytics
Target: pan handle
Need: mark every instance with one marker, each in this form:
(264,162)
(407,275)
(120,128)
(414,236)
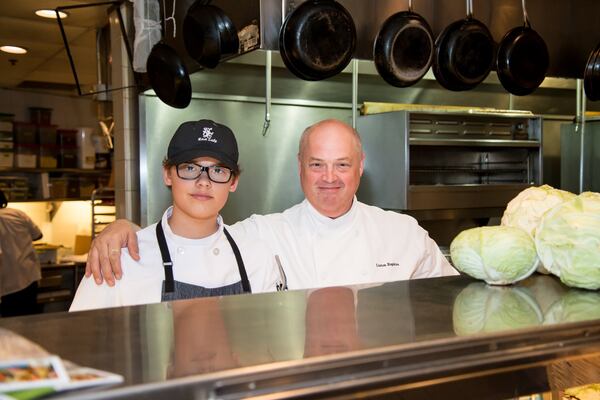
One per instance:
(469,8)
(172,17)
(409,5)
(525,15)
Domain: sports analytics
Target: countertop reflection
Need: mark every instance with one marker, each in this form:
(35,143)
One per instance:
(159,342)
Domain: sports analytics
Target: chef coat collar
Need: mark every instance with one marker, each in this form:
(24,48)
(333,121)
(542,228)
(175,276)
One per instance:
(183,241)
(332,223)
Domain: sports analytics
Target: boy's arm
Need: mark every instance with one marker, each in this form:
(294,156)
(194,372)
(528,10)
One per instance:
(104,257)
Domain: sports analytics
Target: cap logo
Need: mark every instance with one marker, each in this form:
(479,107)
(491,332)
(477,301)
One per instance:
(207,134)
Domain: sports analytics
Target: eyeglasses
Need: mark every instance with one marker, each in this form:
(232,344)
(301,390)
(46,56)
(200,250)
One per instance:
(216,173)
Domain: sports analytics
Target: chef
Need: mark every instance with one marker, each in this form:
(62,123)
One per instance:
(330,238)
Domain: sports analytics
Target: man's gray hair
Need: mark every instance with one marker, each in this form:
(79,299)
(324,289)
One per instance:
(308,130)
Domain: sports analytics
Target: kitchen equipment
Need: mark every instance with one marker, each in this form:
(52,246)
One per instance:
(40,115)
(167,72)
(449,169)
(168,76)
(317,39)
(47,253)
(464,53)
(86,154)
(403,48)
(209,34)
(522,60)
(591,75)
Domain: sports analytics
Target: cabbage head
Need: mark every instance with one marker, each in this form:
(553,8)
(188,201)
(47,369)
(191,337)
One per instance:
(481,308)
(568,241)
(499,255)
(525,211)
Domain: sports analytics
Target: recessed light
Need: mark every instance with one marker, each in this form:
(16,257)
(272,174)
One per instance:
(13,49)
(50,14)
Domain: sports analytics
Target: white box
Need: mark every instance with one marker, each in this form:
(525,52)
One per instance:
(6,159)
(26,160)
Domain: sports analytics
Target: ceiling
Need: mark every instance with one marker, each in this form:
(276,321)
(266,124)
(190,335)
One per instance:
(46,65)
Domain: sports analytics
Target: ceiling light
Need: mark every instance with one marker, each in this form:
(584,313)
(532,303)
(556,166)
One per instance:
(50,14)
(13,49)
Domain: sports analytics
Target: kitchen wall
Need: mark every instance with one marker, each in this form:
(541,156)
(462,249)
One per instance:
(68,111)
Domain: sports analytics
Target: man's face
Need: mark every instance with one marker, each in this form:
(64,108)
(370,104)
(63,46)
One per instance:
(330,166)
(200,198)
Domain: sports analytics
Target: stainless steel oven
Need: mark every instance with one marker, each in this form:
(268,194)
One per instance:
(449,169)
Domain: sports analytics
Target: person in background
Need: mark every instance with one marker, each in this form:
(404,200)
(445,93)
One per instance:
(189,253)
(330,238)
(20,268)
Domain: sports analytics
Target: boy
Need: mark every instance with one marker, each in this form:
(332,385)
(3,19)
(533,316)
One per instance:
(189,253)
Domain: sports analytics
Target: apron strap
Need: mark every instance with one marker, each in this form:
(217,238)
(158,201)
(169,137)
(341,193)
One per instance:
(240,262)
(166,258)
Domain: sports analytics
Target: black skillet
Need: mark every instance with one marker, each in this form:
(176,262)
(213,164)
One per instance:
(591,75)
(464,53)
(168,76)
(317,39)
(522,60)
(403,49)
(209,34)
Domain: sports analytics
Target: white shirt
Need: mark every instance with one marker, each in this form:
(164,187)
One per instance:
(365,245)
(19,264)
(207,262)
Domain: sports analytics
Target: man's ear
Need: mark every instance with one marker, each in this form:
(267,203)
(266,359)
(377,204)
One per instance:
(234,183)
(167,179)
(362,162)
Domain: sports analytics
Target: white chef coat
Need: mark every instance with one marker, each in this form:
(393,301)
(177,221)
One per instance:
(19,264)
(365,245)
(208,262)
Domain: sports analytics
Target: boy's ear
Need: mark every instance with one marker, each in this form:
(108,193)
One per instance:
(234,183)
(168,181)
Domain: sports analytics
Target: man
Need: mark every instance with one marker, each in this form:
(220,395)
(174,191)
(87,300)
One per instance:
(20,268)
(330,238)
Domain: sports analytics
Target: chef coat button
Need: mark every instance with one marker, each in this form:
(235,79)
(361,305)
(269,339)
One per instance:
(180,250)
(216,251)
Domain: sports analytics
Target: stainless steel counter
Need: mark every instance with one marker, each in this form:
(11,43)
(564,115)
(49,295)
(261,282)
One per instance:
(447,337)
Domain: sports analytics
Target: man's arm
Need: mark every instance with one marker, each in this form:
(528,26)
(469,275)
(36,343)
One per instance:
(104,257)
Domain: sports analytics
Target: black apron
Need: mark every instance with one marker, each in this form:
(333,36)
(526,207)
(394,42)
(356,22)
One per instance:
(175,290)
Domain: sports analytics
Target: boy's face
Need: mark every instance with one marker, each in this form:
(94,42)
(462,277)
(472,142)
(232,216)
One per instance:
(200,198)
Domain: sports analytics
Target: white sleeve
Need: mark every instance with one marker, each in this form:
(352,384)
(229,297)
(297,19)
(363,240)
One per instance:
(433,263)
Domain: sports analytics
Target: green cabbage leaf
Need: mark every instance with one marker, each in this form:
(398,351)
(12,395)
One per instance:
(498,255)
(568,241)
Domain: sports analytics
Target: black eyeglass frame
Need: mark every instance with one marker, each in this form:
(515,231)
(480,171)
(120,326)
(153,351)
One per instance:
(203,169)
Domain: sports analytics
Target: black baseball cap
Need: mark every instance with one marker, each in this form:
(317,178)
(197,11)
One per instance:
(204,138)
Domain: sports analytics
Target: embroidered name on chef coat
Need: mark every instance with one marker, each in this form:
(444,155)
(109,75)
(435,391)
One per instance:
(387,264)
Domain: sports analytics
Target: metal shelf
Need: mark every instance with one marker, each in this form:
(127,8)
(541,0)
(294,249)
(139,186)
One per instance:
(102,198)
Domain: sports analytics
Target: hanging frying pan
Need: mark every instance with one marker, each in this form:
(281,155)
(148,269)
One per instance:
(317,39)
(209,34)
(464,53)
(591,75)
(168,75)
(403,49)
(522,60)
